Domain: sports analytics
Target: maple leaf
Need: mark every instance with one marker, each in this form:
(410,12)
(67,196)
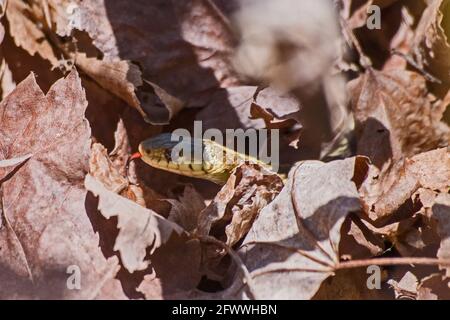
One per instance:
(293,245)
(196,46)
(139,228)
(174,256)
(46,229)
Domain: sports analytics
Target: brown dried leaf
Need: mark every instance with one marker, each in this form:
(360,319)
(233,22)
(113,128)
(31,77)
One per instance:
(182,50)
(139,228)
(232,212)
(176,270)
(26,32)
(431,46)
(406,288)
(279,111)
(186,210)
(282,107)
(383,194)
(230,109)
(434,287)
(293,245)
(46,228)
(122,78)
(395,117)
(103,170)
(359,242)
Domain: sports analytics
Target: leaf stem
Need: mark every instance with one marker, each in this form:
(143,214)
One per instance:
(392,261)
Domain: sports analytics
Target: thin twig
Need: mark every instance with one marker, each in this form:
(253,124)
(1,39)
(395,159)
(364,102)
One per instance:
(393,261)
(364,60)
(363,263)
(47,16)
(418,67)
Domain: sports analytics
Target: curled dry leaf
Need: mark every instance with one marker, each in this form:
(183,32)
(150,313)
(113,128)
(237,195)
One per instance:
(103,170)
(230,109)
(46,230)
(395,116)
(406,288)
(186,210)
(119,77)
(182,52)
(434,287)
(293,245)
(278,111)
(282,107)
(140,229)
(232,212)
(384,194)
(359,242)
(431,45)
(26,32)
(247,107)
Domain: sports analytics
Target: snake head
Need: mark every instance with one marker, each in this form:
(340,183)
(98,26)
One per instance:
(172,148)
(157,148)
(186,156)
(173,153)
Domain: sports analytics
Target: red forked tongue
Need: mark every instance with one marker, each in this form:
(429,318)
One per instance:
(134,156)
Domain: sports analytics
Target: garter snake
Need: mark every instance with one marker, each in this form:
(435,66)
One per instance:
(214,162)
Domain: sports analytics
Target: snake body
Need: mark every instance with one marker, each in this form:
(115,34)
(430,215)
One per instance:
(216,162)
